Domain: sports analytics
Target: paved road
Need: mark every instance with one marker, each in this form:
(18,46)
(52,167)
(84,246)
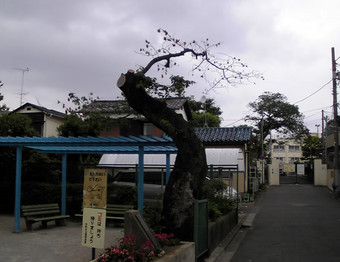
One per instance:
(54,244)
(292,223)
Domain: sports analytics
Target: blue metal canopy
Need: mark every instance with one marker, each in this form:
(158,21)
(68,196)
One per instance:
(88,145)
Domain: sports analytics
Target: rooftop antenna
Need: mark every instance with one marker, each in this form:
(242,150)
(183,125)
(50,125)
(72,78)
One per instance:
(22,81)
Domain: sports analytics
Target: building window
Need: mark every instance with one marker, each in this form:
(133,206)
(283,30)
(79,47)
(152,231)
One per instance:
(279,148)
(294,148)
(294,159)
(281,160)
(147,129)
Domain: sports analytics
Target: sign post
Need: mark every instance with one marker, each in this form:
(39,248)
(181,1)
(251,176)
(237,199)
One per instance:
(94,209)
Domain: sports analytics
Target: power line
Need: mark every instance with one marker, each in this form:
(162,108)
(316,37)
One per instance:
(313,93)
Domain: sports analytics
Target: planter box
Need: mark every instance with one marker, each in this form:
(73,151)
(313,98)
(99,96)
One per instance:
(219,229)
(184,252)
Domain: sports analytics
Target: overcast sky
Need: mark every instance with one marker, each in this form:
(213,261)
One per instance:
(83,46)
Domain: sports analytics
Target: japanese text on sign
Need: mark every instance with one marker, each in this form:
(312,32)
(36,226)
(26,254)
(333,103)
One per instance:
(93,233)
(95,188)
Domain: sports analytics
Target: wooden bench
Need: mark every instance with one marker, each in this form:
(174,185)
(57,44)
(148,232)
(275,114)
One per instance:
(42,213)
(114,211)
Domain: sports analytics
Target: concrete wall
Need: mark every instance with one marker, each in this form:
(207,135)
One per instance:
(219,229)
(274,173)
(320,173)
(330,178)
(241,182)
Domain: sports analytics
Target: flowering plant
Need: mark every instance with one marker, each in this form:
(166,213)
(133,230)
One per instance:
(167,239)
(127,251)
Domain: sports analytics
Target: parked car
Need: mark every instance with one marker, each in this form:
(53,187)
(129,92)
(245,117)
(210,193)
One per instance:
(154,181)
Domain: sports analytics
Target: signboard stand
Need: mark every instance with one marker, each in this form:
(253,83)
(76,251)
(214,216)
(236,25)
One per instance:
(94,209)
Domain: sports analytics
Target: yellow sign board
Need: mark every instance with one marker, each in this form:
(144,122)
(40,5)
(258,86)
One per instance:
(93,233)
(289,168)
(95,188)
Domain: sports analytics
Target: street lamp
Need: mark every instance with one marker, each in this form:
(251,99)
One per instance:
(317,130)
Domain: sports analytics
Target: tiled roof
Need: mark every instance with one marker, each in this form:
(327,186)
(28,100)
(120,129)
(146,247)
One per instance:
(42,109)
(122,106)
(224,135)
(108,106)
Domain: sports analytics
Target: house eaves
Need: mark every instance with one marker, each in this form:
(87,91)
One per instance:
(45,110)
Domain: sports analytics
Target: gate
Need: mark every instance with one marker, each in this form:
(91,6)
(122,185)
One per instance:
(201,227)
(297,174)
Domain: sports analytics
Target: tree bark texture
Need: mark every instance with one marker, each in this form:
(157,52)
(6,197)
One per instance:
(189,172)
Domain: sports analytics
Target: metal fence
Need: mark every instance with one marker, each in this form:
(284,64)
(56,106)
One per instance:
(201,227)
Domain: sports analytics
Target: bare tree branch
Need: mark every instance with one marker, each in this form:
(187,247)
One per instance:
(169,56)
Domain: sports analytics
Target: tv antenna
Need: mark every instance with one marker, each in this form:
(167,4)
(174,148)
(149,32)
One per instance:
(22,81)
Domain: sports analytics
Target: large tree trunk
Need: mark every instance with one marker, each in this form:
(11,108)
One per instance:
(187,177)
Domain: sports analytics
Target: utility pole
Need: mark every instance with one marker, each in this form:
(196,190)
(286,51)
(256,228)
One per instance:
(323,136)
(336,125)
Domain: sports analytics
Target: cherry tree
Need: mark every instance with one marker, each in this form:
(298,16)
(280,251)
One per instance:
(190,169)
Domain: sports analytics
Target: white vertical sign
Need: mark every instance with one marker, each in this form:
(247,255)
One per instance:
(300,169)
(93,234)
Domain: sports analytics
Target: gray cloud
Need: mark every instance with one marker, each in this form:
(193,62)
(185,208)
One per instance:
(83,46)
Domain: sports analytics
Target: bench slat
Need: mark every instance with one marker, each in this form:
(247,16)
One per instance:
(114,211)
(41,213)
(49,218)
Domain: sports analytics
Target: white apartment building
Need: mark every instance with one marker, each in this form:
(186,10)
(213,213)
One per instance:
(288,151)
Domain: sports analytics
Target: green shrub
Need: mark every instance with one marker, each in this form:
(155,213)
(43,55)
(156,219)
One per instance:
(219,204)
(121,194)
(213,187)
(40,193)
(214,213)
(153,217)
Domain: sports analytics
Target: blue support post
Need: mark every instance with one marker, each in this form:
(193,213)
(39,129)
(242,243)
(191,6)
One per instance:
(167,169)
(141,179)
(63,184)
(18,189)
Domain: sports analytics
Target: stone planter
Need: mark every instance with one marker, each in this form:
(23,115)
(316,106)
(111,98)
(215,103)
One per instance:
(183,252)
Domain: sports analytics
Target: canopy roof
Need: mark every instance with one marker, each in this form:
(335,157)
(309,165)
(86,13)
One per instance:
(215,156)
(81,145)
(94,145)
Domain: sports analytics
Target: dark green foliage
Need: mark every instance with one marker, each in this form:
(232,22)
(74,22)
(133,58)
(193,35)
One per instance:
(213,187)
(214,212)
(202,119)
(312,147)
(40,193)
(3,108)
(121,194)
(219,204)
(41,168)
(11,125)
(205,113)
(34,193)
(153,217)
(74,198)
(92,125)
(175,89)
(16,125)
(274,112)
